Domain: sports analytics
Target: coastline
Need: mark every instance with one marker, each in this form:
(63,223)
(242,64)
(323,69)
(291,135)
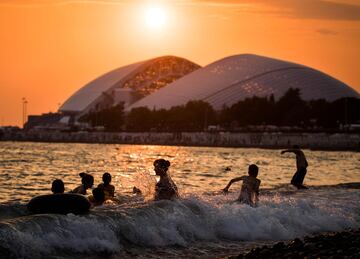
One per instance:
(270,140)
(344,244)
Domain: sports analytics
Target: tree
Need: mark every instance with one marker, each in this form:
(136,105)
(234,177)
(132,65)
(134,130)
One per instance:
(139,119)
(291,110)
(111,118)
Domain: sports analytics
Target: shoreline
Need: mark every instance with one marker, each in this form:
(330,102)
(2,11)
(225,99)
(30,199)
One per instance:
(341,244)
(266,140)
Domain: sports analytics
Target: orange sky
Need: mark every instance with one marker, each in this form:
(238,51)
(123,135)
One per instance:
(51,48)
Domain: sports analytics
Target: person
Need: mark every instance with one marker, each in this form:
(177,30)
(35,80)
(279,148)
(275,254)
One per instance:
(249,193)
(108,188)
(136,191)
(87,181)
(97,198)
(301,167)
(57,186)
(165,188)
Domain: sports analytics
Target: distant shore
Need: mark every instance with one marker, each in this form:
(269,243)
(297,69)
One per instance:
(315,141)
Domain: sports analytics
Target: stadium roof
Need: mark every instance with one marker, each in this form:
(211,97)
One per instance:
(143,78)
(235,78)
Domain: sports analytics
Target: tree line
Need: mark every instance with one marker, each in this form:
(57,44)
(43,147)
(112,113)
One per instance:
(289,110)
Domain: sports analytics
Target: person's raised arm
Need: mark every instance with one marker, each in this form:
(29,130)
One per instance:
(226,189)
(289,151)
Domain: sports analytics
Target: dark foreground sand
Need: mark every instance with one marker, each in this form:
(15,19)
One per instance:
(330,245)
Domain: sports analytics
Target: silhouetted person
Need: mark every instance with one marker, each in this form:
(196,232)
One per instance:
(87,181)
(97,198)
(249,193)
(165,188)
(136,191)
(301,165)
(108,188)
(57,186)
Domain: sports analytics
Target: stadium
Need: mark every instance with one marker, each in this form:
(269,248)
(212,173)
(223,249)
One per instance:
(235,78)
(168,81)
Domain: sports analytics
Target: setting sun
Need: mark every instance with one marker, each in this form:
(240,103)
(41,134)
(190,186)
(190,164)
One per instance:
(155,17)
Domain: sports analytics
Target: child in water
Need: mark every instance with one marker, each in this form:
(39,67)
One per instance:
(250,188)
(57,186)
(87,181)
(165,188)
(97,198)
(108,188)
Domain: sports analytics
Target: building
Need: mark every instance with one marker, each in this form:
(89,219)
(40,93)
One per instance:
(163,82)
(127,85)
(234,78)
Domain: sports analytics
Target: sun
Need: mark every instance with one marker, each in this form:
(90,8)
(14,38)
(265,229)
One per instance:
(155,17)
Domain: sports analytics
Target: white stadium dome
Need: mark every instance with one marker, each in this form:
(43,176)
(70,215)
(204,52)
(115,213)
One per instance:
(127,84)
(229,80)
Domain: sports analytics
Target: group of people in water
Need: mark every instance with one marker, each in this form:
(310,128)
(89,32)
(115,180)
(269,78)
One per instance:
(100,194)
(166,189)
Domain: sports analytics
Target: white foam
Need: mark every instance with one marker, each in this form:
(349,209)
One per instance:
(183,222)
(37,235)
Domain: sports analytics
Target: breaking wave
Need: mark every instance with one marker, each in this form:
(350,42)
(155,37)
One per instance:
(208,218)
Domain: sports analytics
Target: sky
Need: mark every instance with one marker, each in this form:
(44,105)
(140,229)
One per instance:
(51,48)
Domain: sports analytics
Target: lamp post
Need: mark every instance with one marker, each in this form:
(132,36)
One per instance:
(24,110)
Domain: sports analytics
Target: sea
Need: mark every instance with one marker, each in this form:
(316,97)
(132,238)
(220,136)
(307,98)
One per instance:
(203,223)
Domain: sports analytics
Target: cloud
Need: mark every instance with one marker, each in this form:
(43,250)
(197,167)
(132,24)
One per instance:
(300,9)
(326,32)
(325,10)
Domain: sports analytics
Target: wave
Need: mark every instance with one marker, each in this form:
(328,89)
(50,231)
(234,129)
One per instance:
(110,228)
(12,210)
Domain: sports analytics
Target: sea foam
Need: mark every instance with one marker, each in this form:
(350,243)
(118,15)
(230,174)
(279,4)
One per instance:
(112,228)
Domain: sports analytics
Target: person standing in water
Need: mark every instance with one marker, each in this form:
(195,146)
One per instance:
(165,188)
(301,167)
(249,193)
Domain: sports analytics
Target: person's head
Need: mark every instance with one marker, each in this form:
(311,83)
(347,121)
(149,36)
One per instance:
(98,194)
(106,178)
(161,166)
(57,186)
(253,170)
(87,180)
(136,190)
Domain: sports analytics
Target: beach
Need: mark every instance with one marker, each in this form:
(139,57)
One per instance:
(345,244)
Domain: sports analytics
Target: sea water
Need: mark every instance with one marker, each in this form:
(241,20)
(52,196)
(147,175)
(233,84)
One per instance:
(203,223)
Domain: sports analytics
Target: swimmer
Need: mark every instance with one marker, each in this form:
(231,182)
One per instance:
(97,198)
(136,191)
(57,186)
(165,188)
(108,188)
(87,181)
(249,193)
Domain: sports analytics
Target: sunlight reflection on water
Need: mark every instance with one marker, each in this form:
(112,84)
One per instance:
(27,169)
